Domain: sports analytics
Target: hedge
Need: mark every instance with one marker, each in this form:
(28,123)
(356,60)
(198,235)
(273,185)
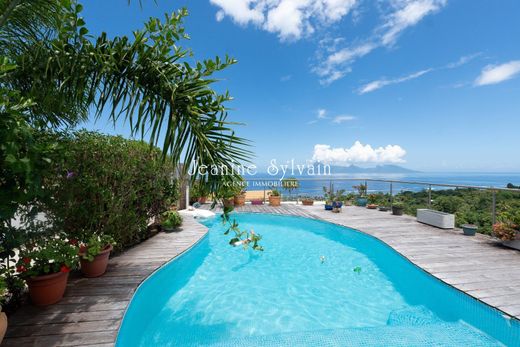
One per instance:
(106,184)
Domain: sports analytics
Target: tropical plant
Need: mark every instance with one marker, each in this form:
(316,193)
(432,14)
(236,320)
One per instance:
(362,190)
(94,245)
(275,192)
(3,291)
(105,185)
(47,255)
(171,219)
(246,238)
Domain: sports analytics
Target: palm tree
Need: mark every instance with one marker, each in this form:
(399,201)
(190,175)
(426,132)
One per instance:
(145,80)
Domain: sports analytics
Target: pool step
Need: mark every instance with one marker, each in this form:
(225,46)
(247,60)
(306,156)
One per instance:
(437,334)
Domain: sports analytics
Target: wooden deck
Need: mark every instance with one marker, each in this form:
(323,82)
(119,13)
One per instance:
(91,312)
(92,309)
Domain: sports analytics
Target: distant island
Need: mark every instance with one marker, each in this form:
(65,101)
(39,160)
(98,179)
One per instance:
(390,169)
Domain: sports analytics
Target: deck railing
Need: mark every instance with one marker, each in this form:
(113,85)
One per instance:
(374,185)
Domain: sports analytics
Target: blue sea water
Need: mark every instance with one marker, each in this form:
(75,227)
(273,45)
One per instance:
(313,185)
(303,291)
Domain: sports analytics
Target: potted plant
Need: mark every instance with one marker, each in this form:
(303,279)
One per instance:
(3,317)
(338,198)
(94,254)
(372,206)
(171,220)
(361,200)
(508,228)
(469,229)
(397,209)
(329,198)
(198,193)
(275,197)
(45,266)
(240,198)
(306,201)
(383,208)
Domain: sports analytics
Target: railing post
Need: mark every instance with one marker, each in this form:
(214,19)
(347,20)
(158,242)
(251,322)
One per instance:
(494,207)
(430,196)
(391,194)
(264,192)
(187,196)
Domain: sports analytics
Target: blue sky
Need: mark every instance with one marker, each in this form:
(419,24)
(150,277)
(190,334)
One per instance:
(433,85)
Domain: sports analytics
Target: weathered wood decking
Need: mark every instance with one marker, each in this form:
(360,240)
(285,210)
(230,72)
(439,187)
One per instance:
(92,309)
(91,312)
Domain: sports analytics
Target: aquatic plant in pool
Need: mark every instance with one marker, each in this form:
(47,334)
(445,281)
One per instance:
(317,284)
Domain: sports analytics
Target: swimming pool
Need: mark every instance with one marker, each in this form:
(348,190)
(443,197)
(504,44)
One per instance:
(316,284)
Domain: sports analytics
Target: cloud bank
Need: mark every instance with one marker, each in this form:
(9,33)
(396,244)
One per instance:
(290,19)
(359,153)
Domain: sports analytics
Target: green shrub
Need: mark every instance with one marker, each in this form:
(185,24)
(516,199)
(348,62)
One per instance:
(171,219)
(106,185)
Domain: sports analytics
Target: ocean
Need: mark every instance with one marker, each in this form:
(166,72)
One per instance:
(313,185)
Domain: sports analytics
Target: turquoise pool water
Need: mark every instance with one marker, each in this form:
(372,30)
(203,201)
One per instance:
(303,291)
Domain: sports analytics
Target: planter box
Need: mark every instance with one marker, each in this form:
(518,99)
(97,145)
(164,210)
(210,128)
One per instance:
(515,244)
(436,218)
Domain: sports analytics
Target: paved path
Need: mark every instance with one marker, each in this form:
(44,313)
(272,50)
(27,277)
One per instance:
(92,309)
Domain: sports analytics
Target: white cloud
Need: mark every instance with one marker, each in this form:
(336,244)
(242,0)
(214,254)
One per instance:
(242,11)
(290,19)
(493,74)
(375,85)
(342,118)
(285,78)
(404,14)
(322,113)
(359,153)
(383,82)
(409,13)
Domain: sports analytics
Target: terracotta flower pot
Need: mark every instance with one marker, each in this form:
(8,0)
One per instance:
(307,202)
(98,265)
(372,206)
(47,289)
(275,200)
(240,200)
(228,202)
(3,326)
(202,199)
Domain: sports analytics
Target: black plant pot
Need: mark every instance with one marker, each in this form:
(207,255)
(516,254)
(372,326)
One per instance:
(469,229)
(397,210)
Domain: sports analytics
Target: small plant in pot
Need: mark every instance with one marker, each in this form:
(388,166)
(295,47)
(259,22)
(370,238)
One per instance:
(240,198)
(398,208)
(361,199)
(508,227)
(45,265)
(275,197)
(94,254)
(307,201)
(470,227)
(171,220)
(328,195)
